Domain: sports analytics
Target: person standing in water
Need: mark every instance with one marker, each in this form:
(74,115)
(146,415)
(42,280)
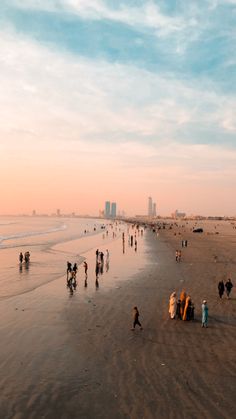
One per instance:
(85,268)
(204,314)
(21,257)
(136,318)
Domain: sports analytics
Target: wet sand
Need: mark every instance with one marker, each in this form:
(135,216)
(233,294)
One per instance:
(66,356)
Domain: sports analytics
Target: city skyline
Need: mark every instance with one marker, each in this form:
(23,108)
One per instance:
(104,98)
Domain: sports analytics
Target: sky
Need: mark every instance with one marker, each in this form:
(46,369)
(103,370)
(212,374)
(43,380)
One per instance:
(118,100)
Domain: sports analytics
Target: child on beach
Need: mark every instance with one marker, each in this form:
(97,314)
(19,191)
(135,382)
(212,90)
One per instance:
(136,318)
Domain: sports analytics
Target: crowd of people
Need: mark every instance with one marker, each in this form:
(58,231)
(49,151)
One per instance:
(182,308)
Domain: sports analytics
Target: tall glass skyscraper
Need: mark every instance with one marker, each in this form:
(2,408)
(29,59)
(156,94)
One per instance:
(113,209)
(107,209)
(150,207)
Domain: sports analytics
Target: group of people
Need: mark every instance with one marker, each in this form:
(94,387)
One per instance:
(182,308)
(225,287)
(71,276)
(25,257)
(178,255)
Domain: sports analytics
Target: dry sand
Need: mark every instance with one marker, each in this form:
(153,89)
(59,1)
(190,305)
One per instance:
(76,357)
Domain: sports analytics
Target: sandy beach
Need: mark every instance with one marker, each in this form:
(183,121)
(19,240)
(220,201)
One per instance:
(74,356)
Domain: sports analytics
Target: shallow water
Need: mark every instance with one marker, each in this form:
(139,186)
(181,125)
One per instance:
(51,242)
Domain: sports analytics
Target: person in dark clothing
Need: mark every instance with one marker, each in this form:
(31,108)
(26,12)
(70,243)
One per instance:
(97,253)
(21,257)
(85,268)
(228,286)
(221,288)
(136,319)
(75,267)
(178,313)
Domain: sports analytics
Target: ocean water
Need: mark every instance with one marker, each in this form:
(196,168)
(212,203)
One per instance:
(50,241)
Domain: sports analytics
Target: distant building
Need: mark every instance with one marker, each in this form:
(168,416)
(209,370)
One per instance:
(113,209)
(107,211)
(178,214)
(150,208)
(154,209)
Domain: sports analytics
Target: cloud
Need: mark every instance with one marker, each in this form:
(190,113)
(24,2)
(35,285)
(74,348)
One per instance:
(97,100)
(146,16)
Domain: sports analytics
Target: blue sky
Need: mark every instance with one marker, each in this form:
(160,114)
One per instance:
(152,76)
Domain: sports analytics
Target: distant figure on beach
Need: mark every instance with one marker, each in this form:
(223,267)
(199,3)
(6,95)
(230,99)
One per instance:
(97,269)
(21,257)
(27,257)
(131,240)
(228,287)
(178,307)
(186,308)
(221,288)
(85,268)
(173,305)
(204,314)
(107,255)
(176,255)
(136,318)
(75,268)
(97,254)
(182,303)
(69,267)
(179,255)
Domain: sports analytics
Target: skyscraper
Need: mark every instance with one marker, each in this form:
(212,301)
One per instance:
(150,207)
(154,209)
(113,209)
(107,211)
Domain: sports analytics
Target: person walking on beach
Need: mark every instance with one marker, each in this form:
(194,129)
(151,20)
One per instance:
(228,286)
(221,288)
(136,318)
(21,257)
(204,314)
(186,307)
(97,253)
(27,257)
(75,268)
(173,305)
(85,268)
(176,255)
(182,303)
